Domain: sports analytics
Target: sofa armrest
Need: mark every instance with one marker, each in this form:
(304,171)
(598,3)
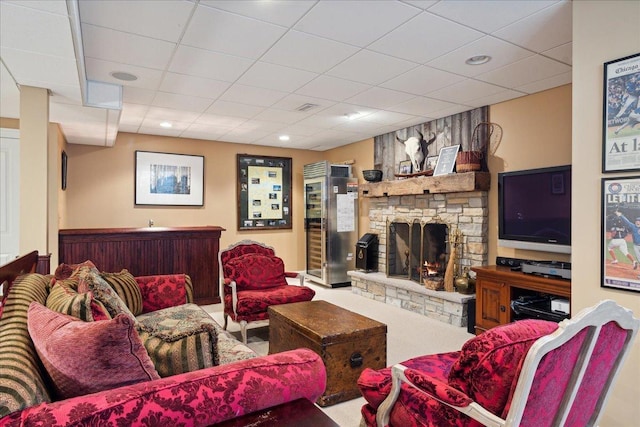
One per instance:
(434,389)
(163,291)
(199,398)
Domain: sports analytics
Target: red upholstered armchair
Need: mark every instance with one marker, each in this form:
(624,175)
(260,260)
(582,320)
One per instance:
(527,373)
(254,279)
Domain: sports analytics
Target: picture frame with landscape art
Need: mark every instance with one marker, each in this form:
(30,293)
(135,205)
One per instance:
(169,179)
(620,265)
(264,192)
(621,115)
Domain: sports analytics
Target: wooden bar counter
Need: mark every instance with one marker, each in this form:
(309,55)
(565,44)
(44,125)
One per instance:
(149,251)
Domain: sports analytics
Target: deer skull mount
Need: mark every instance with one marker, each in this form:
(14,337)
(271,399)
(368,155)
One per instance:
(417,149)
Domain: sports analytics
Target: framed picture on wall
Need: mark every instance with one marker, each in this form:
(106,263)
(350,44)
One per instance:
(621,233)
(169,179)
(264,192)
(621,121)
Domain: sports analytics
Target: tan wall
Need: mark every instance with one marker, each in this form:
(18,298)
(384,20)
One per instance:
(100,190)
(536,132)
(596,41)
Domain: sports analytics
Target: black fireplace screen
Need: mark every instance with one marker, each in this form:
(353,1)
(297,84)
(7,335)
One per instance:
(416,250)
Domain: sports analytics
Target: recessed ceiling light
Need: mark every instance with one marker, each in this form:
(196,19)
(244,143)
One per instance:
(121,75)
(166,125)
(478,60)
(283,137)
(352,116)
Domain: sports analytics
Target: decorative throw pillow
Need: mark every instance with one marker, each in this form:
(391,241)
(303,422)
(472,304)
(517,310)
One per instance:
(253,271)
(64,271)
(64,298)
(90,280)
(127,289)
(489,363)
(88,357)
(164,291)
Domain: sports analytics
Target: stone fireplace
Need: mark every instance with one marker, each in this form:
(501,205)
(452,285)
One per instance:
(402,218)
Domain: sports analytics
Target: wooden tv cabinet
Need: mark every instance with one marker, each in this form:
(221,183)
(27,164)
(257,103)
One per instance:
(496,286)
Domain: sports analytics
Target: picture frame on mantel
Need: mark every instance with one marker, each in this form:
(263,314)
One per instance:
(620,221)
(446,160)
(169,179)
(621,115)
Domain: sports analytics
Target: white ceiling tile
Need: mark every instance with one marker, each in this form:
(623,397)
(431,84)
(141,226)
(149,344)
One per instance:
(65,94)
(422,80)
(294,101)
(563,53)
(332,88)
(166,20)
(159,114)
(252,95)
(281,116)
(26,66)
(495,98)
(355,22)
(79,113)
(153,130)
(211,65)
(523,72)
(44,35)
(359,126)
(371,67)
(308,52)
(424,38)
(300,130)
(133,114)
(192,85)
(465,91)
(541,31)
(502,53)
(58,7)
(548,83)
(281,12)
(235,109)
(125,48)
(202,131)
(100,70)
(123,127)
(259,126)
(226,32)
(378,97)
(422,4)
(488,15)
(181,102)
(134,95)
(386,117)
(219,121)
(421,106)
(265,75)
(10,99)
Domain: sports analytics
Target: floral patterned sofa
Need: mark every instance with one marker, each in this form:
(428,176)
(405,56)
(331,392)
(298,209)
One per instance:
(76,352)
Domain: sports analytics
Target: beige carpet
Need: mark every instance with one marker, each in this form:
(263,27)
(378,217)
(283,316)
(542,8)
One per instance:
(408,335)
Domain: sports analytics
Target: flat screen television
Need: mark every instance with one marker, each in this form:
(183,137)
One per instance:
(534,209)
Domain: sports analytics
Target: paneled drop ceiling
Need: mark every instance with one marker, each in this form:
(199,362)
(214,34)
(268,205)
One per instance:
(244,71)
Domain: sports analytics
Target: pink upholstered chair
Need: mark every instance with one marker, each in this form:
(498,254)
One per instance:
(254,279)
(527,373)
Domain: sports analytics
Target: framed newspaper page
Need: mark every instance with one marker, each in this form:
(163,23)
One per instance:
(621,121)
(621,233)
(264,192)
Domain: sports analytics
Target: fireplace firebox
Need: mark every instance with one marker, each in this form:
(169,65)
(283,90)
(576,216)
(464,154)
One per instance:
(417,250)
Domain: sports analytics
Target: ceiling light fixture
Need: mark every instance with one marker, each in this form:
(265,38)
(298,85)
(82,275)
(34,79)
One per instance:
(166,125)
(478,60)
(352,116)
(121,75)
(284,137)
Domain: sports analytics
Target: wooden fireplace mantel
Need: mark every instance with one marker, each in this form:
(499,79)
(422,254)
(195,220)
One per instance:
(150,251)
(452,183)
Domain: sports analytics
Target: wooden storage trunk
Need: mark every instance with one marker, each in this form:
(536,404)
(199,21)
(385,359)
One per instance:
(347,342)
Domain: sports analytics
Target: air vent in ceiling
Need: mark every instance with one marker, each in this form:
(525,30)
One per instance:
(306,107)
